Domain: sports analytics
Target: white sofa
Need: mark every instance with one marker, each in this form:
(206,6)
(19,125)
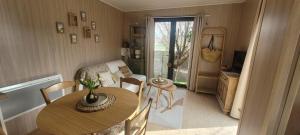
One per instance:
(113,67)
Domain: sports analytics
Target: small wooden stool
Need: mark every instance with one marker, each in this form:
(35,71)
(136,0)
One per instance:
(170,89)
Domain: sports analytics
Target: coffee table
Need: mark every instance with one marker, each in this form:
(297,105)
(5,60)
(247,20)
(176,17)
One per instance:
(168,86)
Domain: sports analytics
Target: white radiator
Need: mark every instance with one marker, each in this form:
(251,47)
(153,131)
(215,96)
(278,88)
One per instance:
(25,97)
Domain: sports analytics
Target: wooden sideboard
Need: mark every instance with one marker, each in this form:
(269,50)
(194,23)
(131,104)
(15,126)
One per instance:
(226,90)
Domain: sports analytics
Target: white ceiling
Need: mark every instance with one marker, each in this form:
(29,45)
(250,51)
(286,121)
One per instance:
(140,5)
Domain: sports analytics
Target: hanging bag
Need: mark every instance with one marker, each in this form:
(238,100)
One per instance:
(210,53)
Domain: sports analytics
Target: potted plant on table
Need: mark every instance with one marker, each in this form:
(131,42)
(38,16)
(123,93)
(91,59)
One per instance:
(91,85)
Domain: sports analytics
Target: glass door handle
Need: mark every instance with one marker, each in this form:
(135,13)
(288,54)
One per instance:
(170,65)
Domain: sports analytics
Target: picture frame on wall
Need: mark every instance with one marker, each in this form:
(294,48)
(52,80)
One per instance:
(97,38)
(73,38)
(87,32)
(60,27)
(83,16)
(93,25)
(72,18)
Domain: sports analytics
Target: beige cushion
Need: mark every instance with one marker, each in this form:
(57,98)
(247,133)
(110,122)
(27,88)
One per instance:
(106,79)
(114,65)
(125,71)
(117,76)
(92,71)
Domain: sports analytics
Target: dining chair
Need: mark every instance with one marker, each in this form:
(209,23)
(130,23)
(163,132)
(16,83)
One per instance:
(1,132)
(59,86)
(138,124)
(137,82)
(132,126)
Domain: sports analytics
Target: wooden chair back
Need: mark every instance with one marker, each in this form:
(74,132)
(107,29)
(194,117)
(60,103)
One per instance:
(134,82)
(1,131)
(137,125)
(56,87)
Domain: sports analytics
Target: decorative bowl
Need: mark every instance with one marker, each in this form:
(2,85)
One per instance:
(159,81)
(102,98)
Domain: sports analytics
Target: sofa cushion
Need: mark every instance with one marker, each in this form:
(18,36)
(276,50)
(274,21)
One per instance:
(92,71)
(117,76)
(106,79)
(125,71)
(114,65)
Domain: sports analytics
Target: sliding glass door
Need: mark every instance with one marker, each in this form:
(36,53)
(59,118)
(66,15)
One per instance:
(172,48)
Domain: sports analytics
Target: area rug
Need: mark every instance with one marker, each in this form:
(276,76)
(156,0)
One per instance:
(198,131)
(164,116)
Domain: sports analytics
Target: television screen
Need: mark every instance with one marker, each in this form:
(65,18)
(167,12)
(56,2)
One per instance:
(238,61)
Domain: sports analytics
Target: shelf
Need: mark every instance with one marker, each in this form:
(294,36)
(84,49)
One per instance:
(133,59)
(208,74)
(231,74)
(138,35)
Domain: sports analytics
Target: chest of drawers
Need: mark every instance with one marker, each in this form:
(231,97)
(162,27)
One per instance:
(226,90)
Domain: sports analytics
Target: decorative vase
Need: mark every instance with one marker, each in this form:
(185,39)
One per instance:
(91,97)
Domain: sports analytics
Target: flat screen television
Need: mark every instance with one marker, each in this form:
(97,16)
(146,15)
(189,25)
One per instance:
(238,61)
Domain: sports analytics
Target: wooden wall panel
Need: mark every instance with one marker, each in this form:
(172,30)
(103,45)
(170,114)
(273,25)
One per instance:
(249,10)
(30,48)
(227,16)
(272,68)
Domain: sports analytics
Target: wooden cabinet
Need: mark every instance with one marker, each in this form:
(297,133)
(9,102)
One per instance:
(136,61)
(226,90)
(137,66)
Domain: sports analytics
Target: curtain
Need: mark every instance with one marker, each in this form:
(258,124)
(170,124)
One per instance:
(150,33)
(195,52)
(247,67)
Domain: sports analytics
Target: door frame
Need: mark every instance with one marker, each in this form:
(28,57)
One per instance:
(173,21)
(291,98)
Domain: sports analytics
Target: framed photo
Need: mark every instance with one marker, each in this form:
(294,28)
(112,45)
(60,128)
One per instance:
(97,38)
(73,38)
(72,18)
(87,32)
(60,27)
(83,16)
(93,25)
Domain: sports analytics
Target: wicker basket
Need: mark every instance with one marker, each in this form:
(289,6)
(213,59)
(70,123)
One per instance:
(210,55)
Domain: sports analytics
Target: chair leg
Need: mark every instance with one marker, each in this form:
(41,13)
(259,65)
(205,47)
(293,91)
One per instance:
(149,90)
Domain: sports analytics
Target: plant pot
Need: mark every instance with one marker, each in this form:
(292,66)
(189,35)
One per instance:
(91,97)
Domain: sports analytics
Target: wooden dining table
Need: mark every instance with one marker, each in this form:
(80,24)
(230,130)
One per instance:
(62,118)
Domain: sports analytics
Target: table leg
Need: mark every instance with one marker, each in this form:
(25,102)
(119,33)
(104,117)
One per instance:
(170,100)
(157,96)
(172,95)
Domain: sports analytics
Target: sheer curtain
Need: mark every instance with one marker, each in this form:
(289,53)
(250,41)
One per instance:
(195,52)
(247,67)
(150,35)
